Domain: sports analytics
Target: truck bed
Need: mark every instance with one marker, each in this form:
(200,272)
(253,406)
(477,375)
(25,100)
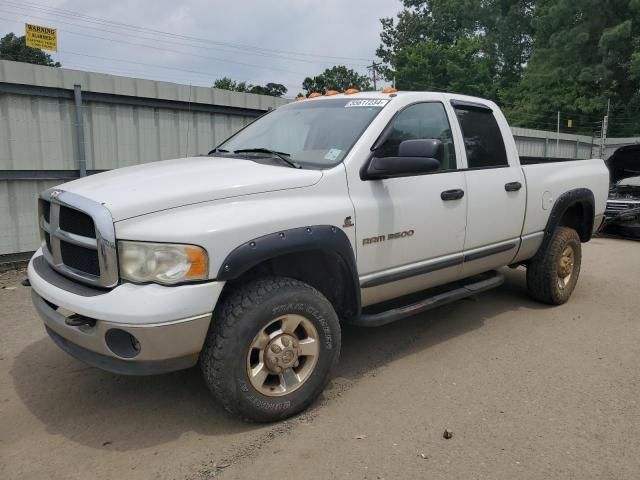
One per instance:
(547,181)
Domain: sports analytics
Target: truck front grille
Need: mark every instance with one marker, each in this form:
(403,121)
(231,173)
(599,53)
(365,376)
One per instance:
(73,221)
(78,238)
(79,258)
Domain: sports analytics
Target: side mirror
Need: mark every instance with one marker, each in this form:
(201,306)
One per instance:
(415,157)
(430,148)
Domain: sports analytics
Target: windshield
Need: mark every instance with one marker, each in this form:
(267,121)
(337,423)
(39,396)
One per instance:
(314,133)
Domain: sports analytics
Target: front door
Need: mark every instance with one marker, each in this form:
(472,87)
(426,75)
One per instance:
(410,236)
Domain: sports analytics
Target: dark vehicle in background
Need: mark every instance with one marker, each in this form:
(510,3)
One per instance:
(623,204)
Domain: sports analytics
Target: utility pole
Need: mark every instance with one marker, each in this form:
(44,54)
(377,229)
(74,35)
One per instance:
(558,137)
(605,128)
(373,67)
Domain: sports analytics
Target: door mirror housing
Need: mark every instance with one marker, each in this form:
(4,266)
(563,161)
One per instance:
(415,157)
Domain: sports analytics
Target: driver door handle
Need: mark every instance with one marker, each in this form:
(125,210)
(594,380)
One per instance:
(512,186)
(455,194)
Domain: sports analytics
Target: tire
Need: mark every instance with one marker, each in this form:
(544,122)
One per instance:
(547,280)
(271,305)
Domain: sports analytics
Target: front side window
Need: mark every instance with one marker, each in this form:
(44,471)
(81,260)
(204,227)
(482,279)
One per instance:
(482,138)
(421,121)
(316,133)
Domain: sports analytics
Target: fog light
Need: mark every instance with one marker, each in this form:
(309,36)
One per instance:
(122,343)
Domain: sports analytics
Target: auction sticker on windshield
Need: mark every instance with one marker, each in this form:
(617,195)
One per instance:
(364,102)
(333,154)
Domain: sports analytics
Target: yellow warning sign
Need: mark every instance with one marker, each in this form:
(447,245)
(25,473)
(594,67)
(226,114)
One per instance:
(41,37)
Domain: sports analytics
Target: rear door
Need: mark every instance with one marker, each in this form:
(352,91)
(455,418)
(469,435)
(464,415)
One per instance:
(495,185)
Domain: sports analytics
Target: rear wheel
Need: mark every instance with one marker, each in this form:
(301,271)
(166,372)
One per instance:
(271,349)
(553,273)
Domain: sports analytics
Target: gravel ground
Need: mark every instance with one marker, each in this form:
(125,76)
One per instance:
(529,392)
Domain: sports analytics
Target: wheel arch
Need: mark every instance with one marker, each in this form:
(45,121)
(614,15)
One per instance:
(574,209)
(320,255)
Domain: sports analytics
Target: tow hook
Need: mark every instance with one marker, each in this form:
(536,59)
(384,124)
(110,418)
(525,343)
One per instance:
(76,320)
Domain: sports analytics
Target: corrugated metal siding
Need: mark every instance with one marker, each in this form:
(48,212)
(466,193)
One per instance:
(18,225)
(36,133)
(39,133)
(539,143)
(122,135)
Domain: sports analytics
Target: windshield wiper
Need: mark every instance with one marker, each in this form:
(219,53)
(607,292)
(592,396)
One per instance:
(280,155)
(218,150)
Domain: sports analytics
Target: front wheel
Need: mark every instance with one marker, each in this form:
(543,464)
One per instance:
(271,348)
(553,273)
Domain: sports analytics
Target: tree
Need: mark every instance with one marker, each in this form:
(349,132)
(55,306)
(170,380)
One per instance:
(225,83)
(14,48)
(272,89)
(586,53)
(463,46)
(336,78)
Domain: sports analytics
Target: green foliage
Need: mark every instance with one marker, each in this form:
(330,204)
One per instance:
(586,53)
(14,48)
(225,83)
(272,89)
(463,46)
(336,78)
(535,57)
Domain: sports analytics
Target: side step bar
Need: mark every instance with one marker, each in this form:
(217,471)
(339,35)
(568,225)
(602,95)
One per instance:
(459,290)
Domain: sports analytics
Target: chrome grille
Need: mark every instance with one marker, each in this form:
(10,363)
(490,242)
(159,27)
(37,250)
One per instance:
(78,239)
(616,206)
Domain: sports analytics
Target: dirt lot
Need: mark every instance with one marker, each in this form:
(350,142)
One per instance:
(529,392)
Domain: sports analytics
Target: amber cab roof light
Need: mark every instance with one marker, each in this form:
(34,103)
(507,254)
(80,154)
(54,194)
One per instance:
(315,94)
(300,97)
(328,93)
(351,91)
(389,90)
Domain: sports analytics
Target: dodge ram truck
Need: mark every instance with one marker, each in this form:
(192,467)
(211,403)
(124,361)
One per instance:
(355,208)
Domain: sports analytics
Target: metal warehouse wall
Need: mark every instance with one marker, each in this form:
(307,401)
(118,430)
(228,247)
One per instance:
(127,121)
(539,143)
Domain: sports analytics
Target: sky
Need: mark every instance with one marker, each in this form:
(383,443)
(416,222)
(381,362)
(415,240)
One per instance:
(197,41)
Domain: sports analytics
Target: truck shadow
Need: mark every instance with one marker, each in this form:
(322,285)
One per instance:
(99,409)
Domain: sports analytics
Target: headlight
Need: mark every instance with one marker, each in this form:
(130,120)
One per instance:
(166,263)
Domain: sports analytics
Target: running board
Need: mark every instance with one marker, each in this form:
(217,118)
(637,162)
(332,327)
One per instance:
(458,291)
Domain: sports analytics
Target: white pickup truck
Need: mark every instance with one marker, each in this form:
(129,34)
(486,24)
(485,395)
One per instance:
(359,208)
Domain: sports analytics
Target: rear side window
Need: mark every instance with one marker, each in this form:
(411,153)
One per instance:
(482,138)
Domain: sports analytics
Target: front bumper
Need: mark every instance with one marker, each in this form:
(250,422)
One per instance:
(169,324)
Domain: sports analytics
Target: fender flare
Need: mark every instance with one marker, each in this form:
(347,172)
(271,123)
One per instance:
(565,201)
(314,237)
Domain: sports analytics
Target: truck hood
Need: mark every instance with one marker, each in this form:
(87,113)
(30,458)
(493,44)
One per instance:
(624,163)
(132,191)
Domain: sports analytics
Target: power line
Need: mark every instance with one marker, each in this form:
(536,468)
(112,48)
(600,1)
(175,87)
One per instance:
(373,68)
(235,52)
(96,20)
(164,49)
(208,74)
